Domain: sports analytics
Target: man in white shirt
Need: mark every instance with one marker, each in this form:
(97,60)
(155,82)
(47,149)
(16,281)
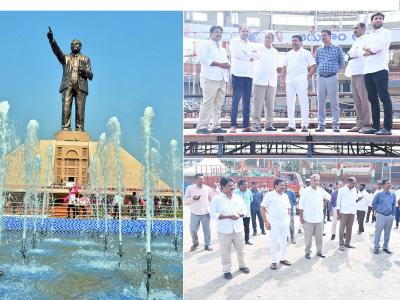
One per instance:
(376,74)
(346,209)
(275,210)
(243,54)
(306,184)
(199,196)
(228,209)
(362,206)
(213,79)
(355,70)
(311,209)
(298,68)
(264,84)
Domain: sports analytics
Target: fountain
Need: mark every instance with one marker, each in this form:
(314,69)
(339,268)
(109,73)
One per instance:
(69,252)
(31,164)
(174,169)
(8,143)
(36,170)
(103,156)
(146,125)
(114,129)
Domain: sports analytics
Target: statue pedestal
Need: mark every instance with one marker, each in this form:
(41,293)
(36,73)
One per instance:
(76,136)
(71,157)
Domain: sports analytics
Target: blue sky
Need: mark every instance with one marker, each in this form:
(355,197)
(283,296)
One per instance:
(136,60)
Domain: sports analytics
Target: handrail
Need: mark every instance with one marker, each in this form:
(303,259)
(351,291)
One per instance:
(63,210)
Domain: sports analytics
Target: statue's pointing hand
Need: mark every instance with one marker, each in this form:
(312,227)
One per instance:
(50,35)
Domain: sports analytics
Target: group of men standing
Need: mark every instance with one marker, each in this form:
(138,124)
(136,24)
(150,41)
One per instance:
(255,69)
(275,211)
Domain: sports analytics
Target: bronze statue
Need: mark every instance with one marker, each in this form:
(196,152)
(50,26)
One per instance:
(76,72)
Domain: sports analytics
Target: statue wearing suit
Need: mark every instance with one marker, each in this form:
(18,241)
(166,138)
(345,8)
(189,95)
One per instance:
(76,72)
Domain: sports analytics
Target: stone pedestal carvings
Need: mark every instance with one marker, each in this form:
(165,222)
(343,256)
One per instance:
(71,158)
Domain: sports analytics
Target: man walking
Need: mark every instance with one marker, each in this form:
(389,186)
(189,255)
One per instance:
(199,196)
(311,208)
(298,68)
(376,75)
(213,79)
(265,81)
(330,60)
(256,209)
(228,209)
(355,70)
(346,209)
(275,211)
(243,56)
(246,195)
(385,205)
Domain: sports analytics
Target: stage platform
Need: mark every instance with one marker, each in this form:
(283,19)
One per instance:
(345,123)
(298,143)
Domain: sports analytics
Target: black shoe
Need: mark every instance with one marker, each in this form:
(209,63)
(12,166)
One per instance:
(255,233)
(320,129)
(202,131)
(274,266)
(218,130)
(271,129)
(285,262)
(336,129)
(293,241)
(193,248)
(299,231)
(376,251)
(349,246)
(383,131)
(307,256)
(321,255)
(333,237)
(248,243)
(288,129)
(228,275)
(244,270)
(324,234)
(263,232)
(304,129)
(370,131)
(208,248)
(387,251)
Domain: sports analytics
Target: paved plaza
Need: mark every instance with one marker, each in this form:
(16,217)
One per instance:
(354,274)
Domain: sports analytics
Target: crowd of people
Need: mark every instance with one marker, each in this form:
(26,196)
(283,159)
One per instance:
(253,70)
(236,206)
(132,206)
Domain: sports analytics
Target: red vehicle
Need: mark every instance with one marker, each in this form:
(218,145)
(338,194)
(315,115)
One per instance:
(293,179)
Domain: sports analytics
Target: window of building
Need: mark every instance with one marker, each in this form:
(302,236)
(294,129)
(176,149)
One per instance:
(235,18)
(293,20)
(199,17)
(252,21)
(220,19)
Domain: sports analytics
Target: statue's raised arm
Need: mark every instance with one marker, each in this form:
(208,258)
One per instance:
(54,46)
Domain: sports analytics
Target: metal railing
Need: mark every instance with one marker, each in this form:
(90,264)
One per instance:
(65,210)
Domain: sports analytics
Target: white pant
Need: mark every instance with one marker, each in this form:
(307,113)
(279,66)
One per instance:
(279,234)
(334,220)
(299,88)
